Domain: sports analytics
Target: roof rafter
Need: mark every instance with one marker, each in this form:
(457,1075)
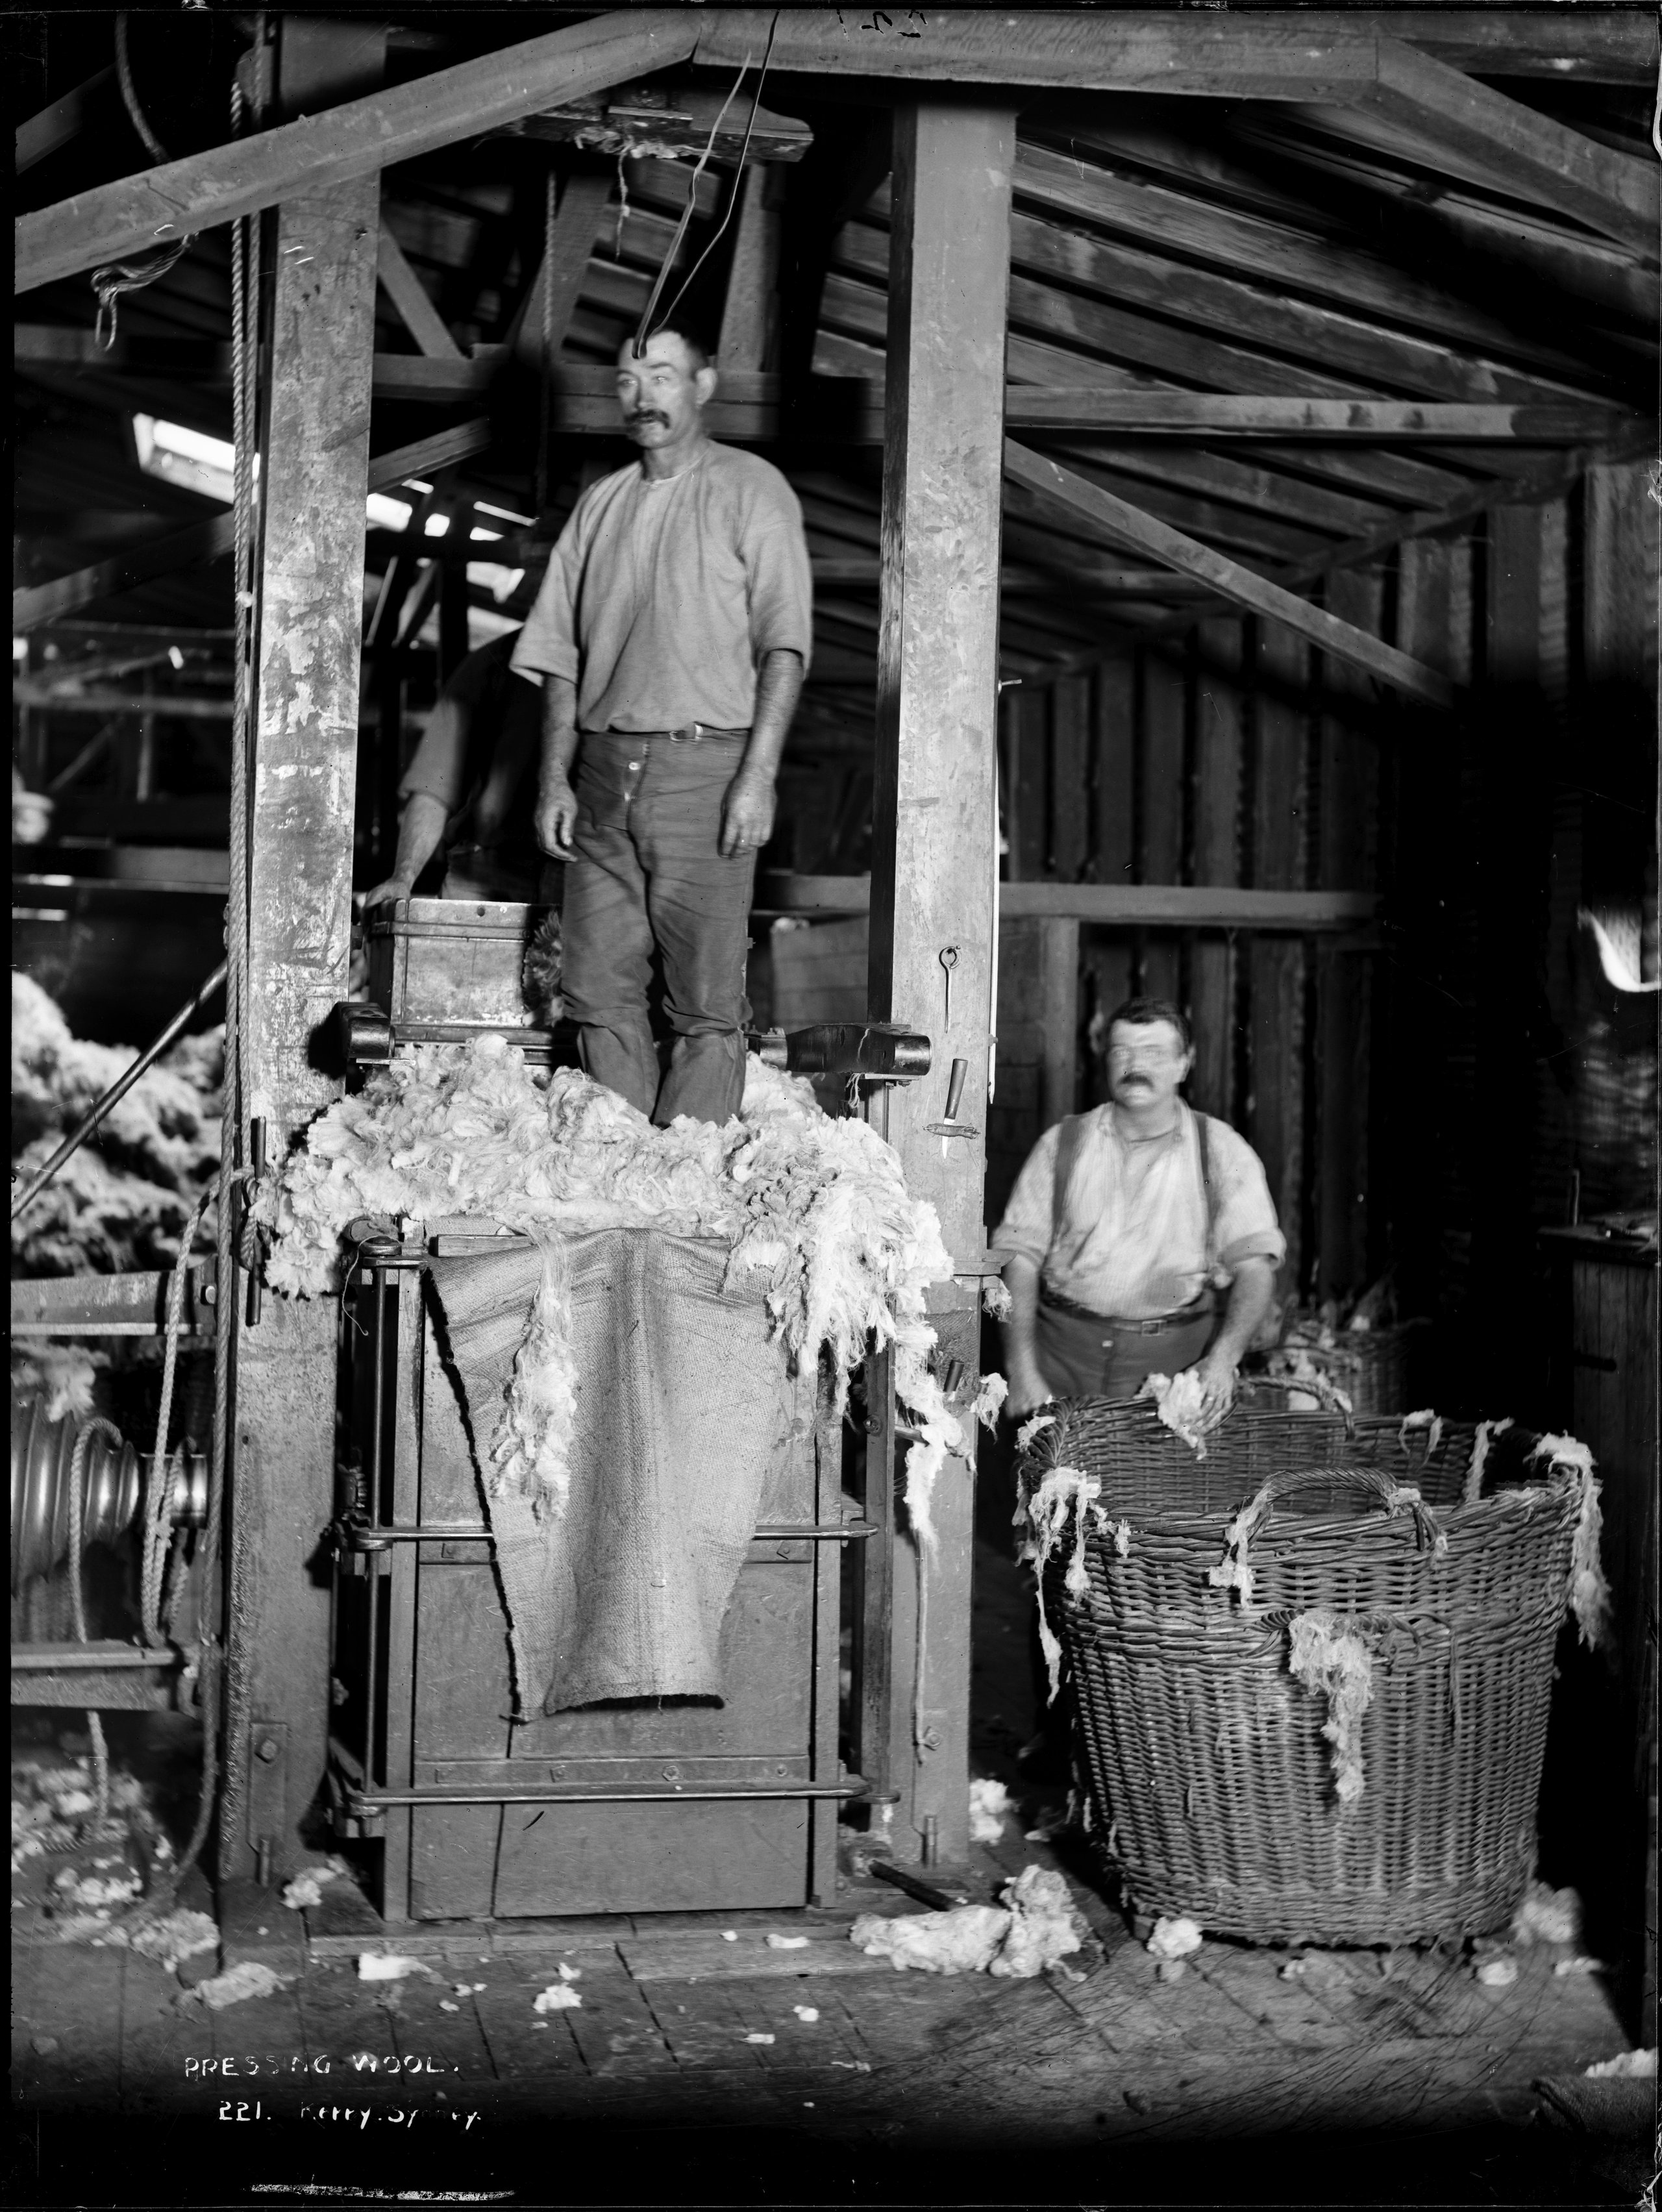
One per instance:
(1173,548)
(354,140)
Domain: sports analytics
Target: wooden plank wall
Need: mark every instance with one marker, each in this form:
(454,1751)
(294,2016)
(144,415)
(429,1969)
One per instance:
(1220,756)
(1421,1099)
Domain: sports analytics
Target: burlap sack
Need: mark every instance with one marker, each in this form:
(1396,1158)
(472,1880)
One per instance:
(684,1404)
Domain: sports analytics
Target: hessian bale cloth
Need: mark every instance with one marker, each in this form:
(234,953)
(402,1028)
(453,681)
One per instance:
(684,1405)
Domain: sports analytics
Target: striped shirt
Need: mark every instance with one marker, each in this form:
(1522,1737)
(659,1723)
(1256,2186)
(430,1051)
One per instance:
(1129,1235)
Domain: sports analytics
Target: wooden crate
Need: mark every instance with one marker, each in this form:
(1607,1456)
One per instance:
(451,960)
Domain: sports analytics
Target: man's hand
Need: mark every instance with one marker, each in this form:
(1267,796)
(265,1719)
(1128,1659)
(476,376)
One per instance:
(1216,1370)
(556,815)
(1027,1389)
(395,887)
(747,814)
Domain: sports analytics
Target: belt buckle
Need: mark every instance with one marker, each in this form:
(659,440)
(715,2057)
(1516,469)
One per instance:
(689,733)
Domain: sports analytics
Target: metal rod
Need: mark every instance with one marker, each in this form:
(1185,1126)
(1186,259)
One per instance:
(53,1658)
(359,1802)
(257,1161)
(368,1537)
(117,1091)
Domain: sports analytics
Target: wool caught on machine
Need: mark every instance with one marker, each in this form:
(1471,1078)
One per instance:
(818,1203)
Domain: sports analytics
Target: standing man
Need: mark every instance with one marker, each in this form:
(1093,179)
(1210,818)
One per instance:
(670,637)
(471,787)
(1125,1225)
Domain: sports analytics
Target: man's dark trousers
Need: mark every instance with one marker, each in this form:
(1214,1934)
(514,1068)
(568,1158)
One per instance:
(646,871)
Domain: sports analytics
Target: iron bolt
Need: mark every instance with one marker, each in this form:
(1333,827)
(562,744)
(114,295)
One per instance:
(267,1749)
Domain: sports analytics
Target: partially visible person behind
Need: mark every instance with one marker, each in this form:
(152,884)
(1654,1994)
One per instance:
(1143,1236)
(470,789)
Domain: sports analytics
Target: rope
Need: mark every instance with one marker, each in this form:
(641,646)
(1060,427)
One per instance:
(90,1428)
(152,145)
(158,1515)
(233,1149)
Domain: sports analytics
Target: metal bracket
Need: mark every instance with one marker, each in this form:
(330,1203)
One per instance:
(268,1783)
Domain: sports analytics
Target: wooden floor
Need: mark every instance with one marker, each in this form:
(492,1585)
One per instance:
(705,2065)
(698,2043)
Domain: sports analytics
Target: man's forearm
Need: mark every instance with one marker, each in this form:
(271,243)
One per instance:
(1021,1323)
(1249,1301)
(559,729)
(778,686)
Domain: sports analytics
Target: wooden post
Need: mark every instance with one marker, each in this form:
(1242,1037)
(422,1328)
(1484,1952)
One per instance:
(750,312)
(1217,860)
(934,823)
(313,480)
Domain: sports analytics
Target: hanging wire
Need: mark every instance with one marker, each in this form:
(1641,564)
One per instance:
(643,329)
(115,277)
(738,177)
(152,145)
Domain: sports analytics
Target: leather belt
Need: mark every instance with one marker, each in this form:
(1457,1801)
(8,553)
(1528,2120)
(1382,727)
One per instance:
(1184,1318)
(689,733)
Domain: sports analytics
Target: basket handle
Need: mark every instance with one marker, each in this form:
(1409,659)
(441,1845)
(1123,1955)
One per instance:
(1392,1496)
(1318,1387)
(1235,1569)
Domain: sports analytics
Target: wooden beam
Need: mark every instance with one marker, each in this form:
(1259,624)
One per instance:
(1337,344)
(426,457)
(1190,557)
(752,276)
(1108,906)
(1593,45)
(316,473)
(56,125)
(1283,58)
(1227,414)
(577,221)
(50,345)
(161,557)
(934,825)
(32,692)
(1527,154)
(357,139)
(1150,51)
(747,406)
(1272,251)
(410,296)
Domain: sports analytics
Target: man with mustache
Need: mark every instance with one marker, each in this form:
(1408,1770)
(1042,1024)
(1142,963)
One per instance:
(671,638)
(1143,1235)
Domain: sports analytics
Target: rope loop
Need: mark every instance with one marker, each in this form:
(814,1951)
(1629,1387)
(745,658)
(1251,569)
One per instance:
(115,277)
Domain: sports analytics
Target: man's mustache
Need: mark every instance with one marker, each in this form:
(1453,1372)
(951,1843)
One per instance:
(643,415)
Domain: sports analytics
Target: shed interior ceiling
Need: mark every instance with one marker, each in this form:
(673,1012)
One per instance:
(1161,245)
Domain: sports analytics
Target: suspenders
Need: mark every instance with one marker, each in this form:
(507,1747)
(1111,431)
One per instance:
(1067,1152)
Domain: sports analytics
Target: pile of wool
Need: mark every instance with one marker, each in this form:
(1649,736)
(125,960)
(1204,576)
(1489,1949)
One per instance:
(1033,1926)
(1588,1595)
(818,1204)
(1179,1402)
(1546,1915)
(63,1374)
(1331,1657)
(122,1201)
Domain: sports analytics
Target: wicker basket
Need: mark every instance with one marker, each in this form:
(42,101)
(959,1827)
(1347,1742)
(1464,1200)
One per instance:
(1213,1785)
(1376,1369)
